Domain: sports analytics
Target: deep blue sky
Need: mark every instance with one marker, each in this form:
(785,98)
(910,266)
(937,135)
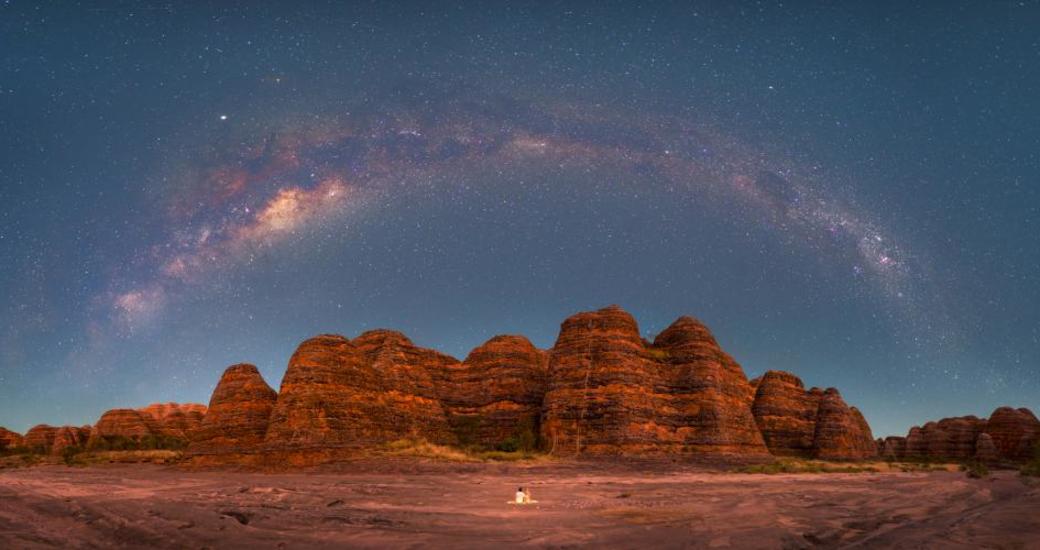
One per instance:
(851,193)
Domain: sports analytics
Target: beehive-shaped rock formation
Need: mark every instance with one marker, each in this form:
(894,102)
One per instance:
(494,397)
(238,413)
(611,393)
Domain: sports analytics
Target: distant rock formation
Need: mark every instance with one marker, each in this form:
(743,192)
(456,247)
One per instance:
(893,448)
(494,397)
(602,389)
(44,439)
(40,438)
(985,450)
(177,420)
(238,412)
(342,393)
(124,423)
(1009,435)
(161,423)
(841,431)
(9,439)
(786,413)
(813,423)
(70,436)
(1015,432)
(610,392)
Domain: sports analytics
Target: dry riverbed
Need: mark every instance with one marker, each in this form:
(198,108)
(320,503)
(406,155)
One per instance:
(413,504)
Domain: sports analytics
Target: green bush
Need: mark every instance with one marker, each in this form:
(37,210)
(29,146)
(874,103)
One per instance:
(15,451)
(976,469)
(510,445)
(68,454)
(146,443)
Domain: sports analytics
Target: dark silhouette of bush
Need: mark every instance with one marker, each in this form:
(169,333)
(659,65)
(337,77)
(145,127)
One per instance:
(976,469)
(146,443)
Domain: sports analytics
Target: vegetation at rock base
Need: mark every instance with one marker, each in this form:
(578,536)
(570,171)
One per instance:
(805,467)
(975,469)
(422,448)
(146,443)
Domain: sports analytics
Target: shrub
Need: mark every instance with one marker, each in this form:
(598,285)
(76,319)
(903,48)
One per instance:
(976,469)
(68,454)
(15,451)
(804,467)
(510,445)
(146,443)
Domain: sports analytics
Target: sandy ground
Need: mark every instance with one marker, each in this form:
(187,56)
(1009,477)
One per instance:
(460,506)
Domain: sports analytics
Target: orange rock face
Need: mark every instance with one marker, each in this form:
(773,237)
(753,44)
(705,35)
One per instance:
(46,439)
(893,448)
(495,396)
(841,431)
(238,413)
(985,450)
(1010,435)
(601,390)
(124,423)
(813,423)
(610,392)
(9,439)
(70,436)
(786,414)
(163,420)
(375,389)
(1015,432)
(40,438)
(178,420)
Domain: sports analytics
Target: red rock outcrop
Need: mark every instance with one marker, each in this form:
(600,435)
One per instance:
(177,420)
(123,423)
(985,450)
(70,436)
(601,390)
(40,438)
(841,431)
(786,414)
(814,423)
(893,448)
(1009,435)
(375,389)
(611,393)
(238,413)
(46,439)
(948,439)
(494,397)
(1015,433)
(9,439)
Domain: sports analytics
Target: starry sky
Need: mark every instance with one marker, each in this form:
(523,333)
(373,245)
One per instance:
(849,192)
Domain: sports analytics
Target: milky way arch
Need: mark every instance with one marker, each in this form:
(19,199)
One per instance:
(274,185)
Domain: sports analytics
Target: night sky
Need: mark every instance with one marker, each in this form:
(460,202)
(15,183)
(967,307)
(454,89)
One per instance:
(850,193)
